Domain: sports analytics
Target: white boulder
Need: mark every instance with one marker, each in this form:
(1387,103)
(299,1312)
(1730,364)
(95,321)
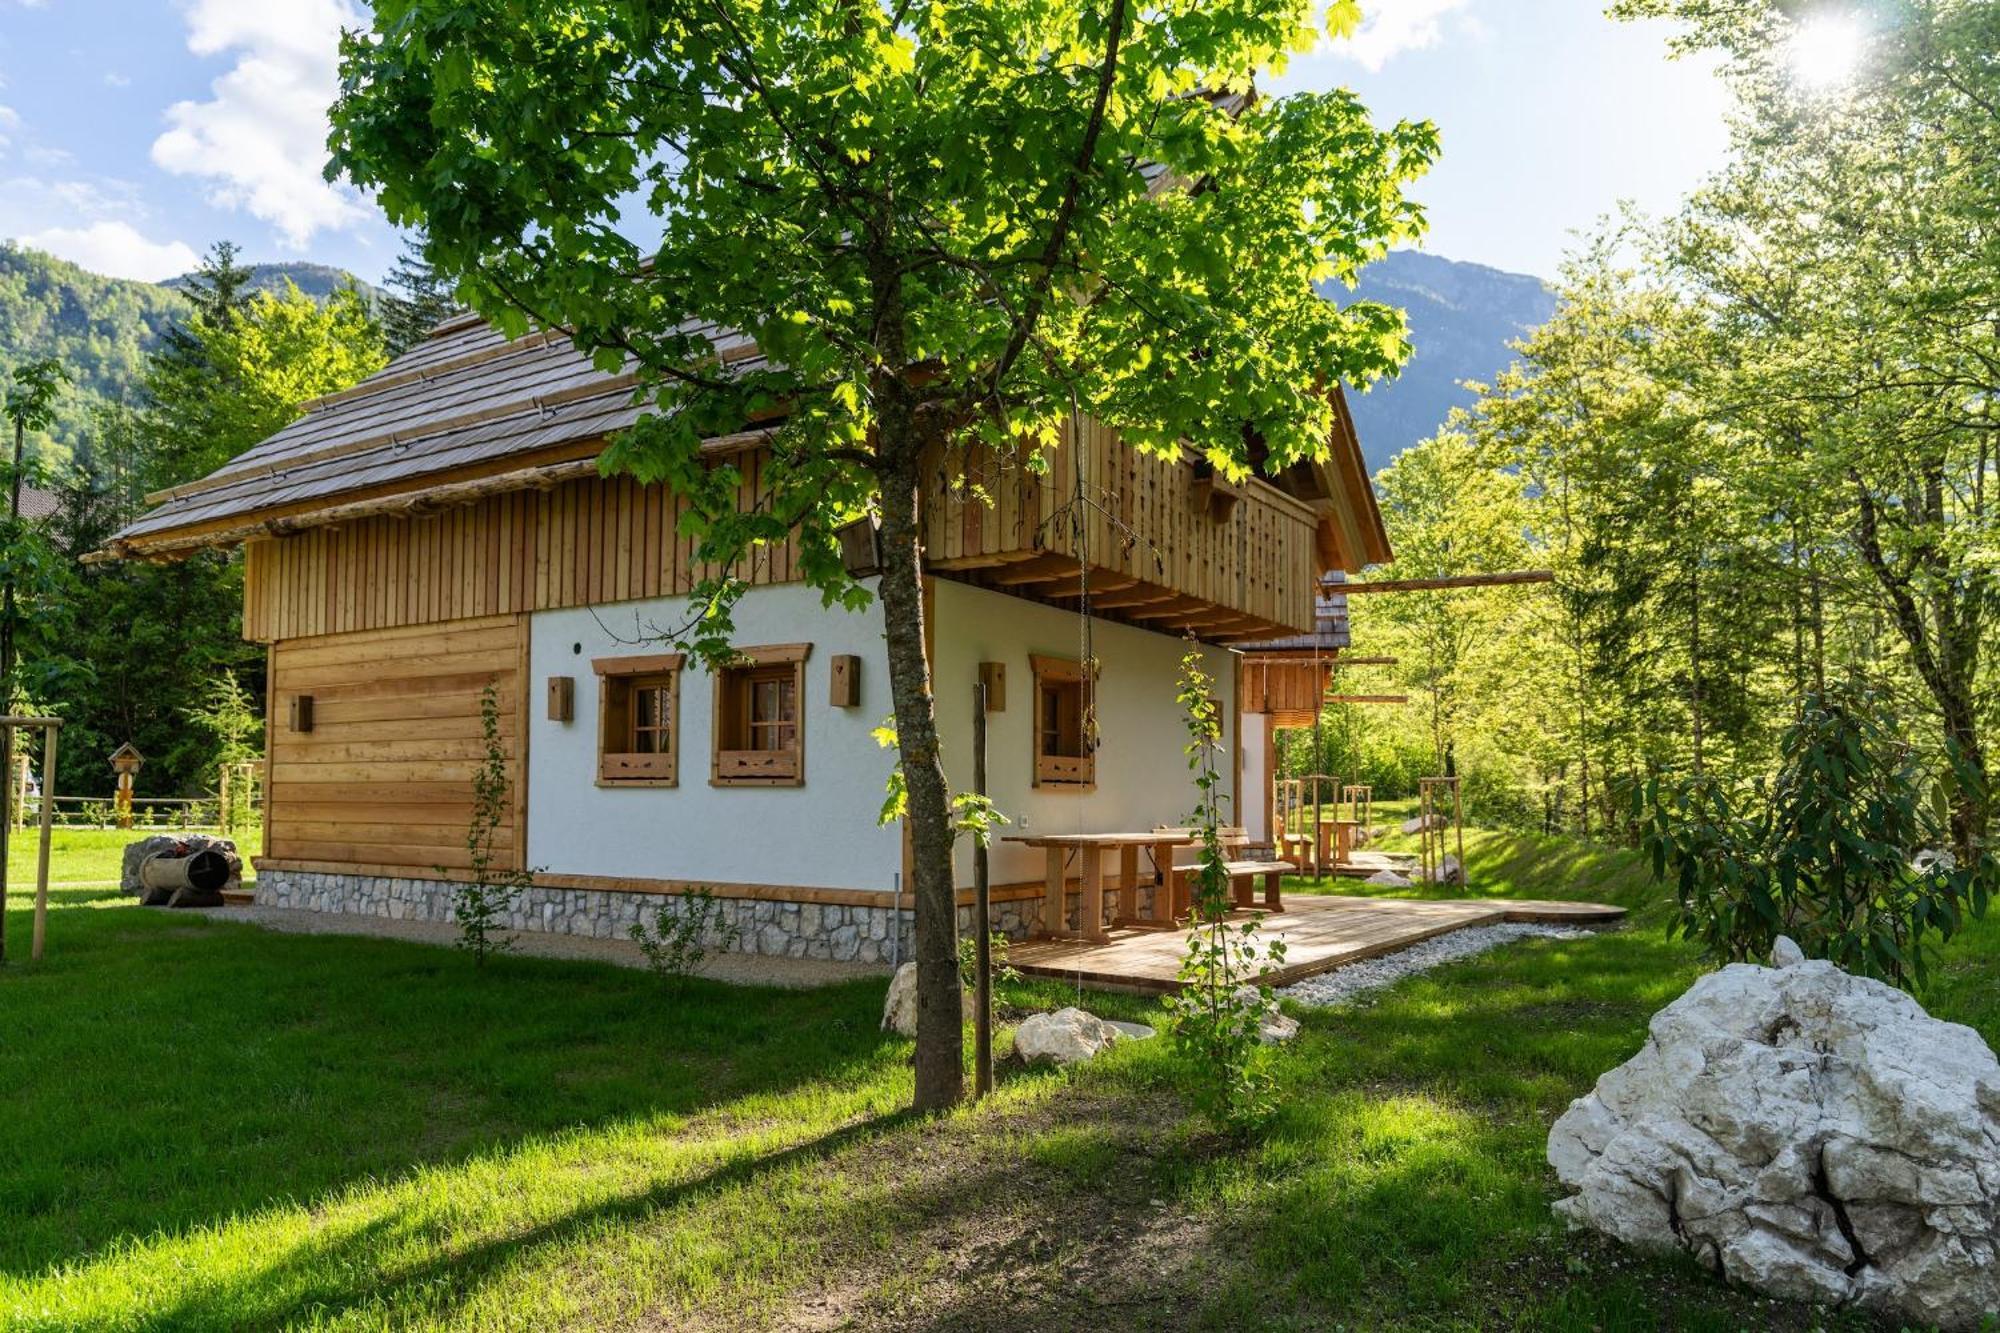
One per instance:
(1389,879)
(1065,1037)
(1446,871)
(1811,1134)
(1273,1025)
(899,1010)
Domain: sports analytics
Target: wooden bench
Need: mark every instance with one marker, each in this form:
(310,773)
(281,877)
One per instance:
(1243,874)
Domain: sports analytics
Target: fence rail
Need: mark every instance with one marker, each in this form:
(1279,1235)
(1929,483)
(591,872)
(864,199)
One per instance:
(166,813)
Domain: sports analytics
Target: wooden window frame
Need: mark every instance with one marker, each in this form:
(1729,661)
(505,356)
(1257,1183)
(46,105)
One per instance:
(1061,772)
(619,762)
(734,762)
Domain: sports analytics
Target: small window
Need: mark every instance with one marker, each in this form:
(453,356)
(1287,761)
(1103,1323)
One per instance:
(1063,743)
(639,719)
(759,722)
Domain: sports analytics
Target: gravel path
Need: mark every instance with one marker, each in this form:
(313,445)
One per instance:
(1347,983)
(738,969)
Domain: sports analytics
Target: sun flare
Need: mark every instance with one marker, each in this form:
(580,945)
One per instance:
(1825,51)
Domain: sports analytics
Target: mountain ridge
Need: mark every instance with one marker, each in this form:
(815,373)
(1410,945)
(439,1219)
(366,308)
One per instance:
(1462,315)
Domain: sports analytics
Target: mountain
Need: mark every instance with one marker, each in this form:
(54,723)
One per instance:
(318,281)
(101,328)
(1462,316)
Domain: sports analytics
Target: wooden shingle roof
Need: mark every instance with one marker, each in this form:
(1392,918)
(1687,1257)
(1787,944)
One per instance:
(466,398)
(467,412)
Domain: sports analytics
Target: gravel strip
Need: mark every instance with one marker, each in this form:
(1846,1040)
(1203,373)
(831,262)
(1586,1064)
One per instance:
(1345,984)
(737,969)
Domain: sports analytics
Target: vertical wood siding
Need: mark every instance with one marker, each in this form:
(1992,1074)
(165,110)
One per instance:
(1140,515)
(583,543)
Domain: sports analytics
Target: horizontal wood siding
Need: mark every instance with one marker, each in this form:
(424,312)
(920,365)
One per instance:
(583,543)
(1130,514)
(385,775)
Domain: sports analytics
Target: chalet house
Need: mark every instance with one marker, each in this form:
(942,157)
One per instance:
(442,527)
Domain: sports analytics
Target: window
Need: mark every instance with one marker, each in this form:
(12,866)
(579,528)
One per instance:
(1063,745)
(639,719)
(759,722)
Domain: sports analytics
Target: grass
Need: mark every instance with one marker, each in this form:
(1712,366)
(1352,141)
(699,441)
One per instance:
(211,1127)
(92,856)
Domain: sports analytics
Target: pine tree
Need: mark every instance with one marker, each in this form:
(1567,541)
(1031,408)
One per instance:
(416,301)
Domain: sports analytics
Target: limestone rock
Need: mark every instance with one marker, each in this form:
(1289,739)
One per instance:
(1388,878)
(1415,824)
(1814,1135)
(181,844)
(1065,1037)
(899,1010)
(1447,871)
(1273,1025)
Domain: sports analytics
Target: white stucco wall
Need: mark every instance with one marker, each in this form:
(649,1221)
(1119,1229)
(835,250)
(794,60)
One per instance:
(820,835)
(1254,809)
(1142,773)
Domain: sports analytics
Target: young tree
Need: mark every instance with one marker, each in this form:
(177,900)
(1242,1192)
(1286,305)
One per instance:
(938,220)
(248,368)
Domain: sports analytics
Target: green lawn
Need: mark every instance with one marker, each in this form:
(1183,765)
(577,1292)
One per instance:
(208,1126)
(91,856)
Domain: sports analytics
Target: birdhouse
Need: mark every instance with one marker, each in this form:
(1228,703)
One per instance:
(126,761)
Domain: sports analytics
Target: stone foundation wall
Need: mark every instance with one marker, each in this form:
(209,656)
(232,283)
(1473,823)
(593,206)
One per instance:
(842,933)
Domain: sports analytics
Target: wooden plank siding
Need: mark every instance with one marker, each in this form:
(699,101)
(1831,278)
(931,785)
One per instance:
(385,775)
(583,543)
(594,541)
(1133,516)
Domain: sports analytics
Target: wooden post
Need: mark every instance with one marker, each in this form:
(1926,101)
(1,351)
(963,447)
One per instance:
(23,766)
(982,907)
(49,734)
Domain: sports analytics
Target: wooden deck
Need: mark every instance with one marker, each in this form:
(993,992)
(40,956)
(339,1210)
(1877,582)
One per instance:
(1320,934)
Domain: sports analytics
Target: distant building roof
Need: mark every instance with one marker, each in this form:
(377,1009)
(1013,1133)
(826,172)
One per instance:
(38,504)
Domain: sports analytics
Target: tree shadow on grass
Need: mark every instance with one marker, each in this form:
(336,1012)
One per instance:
(359,1272)
(161,1073)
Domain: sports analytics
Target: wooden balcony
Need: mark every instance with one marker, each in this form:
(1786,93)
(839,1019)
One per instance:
(1155,542)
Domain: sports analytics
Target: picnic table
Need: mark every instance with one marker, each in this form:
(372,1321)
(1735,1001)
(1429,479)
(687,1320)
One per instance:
(1091,847)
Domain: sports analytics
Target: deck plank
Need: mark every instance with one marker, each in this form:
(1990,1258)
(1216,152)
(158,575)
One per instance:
(1320,934)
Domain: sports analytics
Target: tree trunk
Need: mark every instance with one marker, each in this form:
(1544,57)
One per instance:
(1694,660)
(899,450)
(940,1016)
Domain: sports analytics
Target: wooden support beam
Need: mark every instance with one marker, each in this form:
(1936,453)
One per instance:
(1144,594)
(1456,581)
(1073,588)
(1367,698)
(1361,661)
(1042,569)
(1169,610)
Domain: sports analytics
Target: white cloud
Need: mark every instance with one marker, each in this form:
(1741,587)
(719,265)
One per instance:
(261,139)
(9,119)
(115,248)
(1392,27)
(113,79)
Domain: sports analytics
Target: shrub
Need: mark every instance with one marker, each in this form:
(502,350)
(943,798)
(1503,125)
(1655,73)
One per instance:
(480,904)
(1214,1030)
(996,952)
(1845,849)
(686,930)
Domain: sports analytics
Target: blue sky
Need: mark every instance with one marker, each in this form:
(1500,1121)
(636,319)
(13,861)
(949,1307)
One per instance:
(135,132)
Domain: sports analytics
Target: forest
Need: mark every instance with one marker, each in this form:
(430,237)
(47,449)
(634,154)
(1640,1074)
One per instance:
(1756,446)
(145,388)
